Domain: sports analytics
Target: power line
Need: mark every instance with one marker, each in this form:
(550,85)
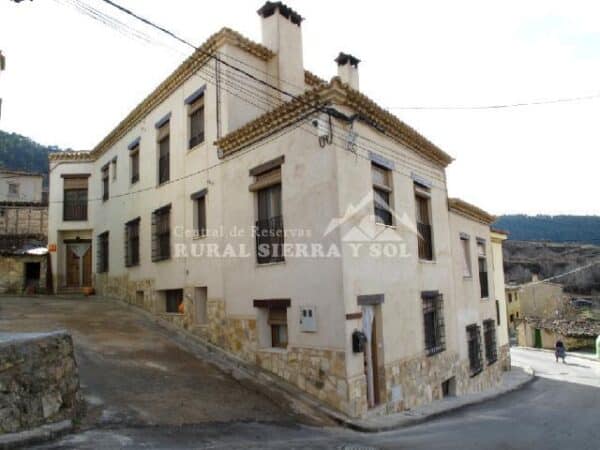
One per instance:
(499,106)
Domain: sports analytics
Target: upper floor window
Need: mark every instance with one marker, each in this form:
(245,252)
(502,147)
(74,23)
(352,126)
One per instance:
(199,199)
(161,233)
(382,192)
(196,122)
(105,182)
(113,163)
(75,197)
(132,243)
(164,149)
(269,224)
(433,322)
(483,273)
(13,189)
(466,255)
(102,253)
(134,160)
(424,228)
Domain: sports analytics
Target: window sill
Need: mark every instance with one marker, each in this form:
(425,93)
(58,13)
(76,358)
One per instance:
(485,299)
(467,277)
(273,350)
(198,237)
(427,261)
(161,260)
(429,353)
(170,314)
(392,227)
(474,374)
(275,263)
(189,150)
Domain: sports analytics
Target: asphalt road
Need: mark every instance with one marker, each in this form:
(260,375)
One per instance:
(547,414)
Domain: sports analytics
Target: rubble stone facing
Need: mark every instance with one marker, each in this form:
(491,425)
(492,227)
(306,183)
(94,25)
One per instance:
(409,383)
(39,381)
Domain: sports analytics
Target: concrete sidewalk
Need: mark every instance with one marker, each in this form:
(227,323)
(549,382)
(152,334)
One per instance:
(511,381)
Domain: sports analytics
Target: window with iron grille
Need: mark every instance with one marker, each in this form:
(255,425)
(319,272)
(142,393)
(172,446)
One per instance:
(424,228)
(196,122)
(489,336)
(483,272)
(75,198)
(382,192)
(269,226)
(134,161)
(132,243)
(164,146)
(105,182)
(102,253)
(474,346)
(161,233)
(433,322)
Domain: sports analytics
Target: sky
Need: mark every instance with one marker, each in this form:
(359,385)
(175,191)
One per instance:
(70,79)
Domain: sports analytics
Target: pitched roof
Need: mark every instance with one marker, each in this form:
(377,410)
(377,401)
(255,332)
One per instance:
(470,211)
(187,69)
(322,94)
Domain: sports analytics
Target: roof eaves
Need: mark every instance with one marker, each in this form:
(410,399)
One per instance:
(470,211)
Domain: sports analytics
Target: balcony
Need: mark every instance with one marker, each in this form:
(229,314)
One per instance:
(269,240)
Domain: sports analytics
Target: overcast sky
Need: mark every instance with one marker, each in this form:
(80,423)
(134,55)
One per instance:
(69,80)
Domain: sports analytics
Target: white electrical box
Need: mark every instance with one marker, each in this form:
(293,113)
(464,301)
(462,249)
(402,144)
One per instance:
(308,319)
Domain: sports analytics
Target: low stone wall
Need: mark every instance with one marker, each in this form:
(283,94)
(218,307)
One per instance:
(39,380)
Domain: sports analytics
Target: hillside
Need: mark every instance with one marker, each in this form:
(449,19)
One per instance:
(18,152)
(583,229)
(548,259)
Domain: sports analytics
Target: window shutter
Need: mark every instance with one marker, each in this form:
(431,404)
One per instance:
(76,183)
(277,316)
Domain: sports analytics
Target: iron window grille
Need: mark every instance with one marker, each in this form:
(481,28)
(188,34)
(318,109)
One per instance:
(75,204)
(161,233)
(433,323)
(474,346)
(102,253)
(489,334)
(424,228)
(132,243)
(269,226)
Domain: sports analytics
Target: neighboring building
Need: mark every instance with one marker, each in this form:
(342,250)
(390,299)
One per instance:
(513,305)
(23,231)
(2,66)
(542,299)
(543,333)
(285,231)
(20,187)
(498,237)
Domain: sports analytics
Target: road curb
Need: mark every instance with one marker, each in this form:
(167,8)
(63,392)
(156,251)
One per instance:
(405,422)
(570,354)
(38,435)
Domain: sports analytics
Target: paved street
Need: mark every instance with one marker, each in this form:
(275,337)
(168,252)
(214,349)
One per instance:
(575,370)
(146,392)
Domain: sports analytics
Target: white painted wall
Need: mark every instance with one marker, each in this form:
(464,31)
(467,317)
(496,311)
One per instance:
(29,187)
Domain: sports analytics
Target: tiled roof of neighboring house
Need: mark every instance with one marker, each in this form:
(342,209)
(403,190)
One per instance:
(81,155)
(572,328)
(20,173)
(187,69)
(324,94)
(499,231)
(470,211)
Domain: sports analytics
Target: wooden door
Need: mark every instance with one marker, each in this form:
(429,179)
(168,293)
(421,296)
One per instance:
(86,275)
(73,270)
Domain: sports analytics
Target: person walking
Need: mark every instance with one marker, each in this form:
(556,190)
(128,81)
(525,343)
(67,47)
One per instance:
(560,351)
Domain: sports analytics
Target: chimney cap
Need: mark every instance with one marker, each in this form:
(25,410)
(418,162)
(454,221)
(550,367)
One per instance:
(269,8)
(346,58)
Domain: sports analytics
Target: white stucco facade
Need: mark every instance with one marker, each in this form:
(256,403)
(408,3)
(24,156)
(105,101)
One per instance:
(20,187)
(340,264)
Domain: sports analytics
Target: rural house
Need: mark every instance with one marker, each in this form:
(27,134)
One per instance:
(292,223)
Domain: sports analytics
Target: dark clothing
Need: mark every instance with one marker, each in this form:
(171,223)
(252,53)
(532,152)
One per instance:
(560,350)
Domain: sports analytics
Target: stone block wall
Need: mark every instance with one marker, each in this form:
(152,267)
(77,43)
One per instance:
(39,380)
(12,273)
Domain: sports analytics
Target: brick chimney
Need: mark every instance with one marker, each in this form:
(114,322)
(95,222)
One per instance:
(282,33)
(348,69)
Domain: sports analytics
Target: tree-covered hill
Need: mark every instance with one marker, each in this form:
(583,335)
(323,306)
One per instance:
(18,152)
(563,228)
